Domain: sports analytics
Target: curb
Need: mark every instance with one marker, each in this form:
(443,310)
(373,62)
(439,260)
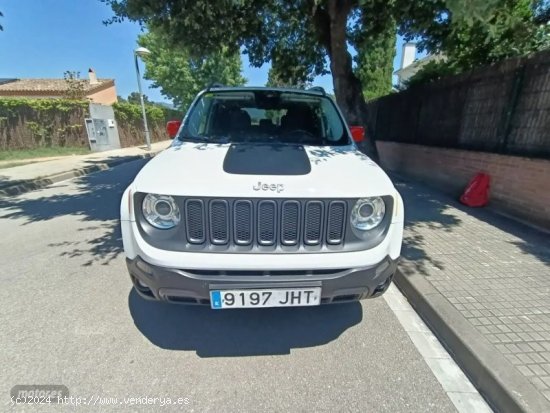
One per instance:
(498,381)
(21,187)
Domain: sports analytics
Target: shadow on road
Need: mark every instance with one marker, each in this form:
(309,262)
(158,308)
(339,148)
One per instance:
(422,210)
(95,198)
(233,333)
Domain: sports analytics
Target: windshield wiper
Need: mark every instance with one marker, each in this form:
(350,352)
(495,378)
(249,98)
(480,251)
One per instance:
(193,138)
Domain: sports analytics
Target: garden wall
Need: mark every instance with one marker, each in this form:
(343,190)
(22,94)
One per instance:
(33,123)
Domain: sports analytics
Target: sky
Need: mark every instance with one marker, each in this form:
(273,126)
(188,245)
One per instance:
(45,38)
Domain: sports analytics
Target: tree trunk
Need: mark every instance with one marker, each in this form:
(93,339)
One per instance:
(347,86)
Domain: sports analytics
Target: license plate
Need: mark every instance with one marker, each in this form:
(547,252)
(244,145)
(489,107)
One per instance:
(288,297)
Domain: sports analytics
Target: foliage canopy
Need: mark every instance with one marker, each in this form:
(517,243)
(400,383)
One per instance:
(180,75)
(301,38)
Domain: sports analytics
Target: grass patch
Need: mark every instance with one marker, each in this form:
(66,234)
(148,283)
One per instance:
(15,155)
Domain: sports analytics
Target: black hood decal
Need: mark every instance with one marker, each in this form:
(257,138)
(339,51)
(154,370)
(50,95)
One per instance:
(260,159)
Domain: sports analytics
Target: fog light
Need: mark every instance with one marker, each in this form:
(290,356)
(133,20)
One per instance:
(143,266)
(141,283)
(382,267)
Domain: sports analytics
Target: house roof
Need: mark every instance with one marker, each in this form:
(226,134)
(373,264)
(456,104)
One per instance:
(417,65)
(16,87)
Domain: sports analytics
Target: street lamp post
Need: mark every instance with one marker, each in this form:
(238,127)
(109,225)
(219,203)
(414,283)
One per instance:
(140,52)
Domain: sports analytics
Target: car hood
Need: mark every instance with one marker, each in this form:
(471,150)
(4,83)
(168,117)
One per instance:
(262,171)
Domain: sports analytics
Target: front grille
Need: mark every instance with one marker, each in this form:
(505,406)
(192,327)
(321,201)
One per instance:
(313,222)
(265,223)
(219,222)
(290,223)
(336,222)
(194,217)
(243,227)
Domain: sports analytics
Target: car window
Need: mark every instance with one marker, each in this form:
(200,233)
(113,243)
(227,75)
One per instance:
(265,116)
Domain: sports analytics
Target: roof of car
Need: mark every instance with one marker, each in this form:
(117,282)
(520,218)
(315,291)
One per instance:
(311,91)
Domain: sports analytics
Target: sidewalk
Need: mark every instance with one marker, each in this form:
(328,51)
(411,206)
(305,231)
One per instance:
(28,177)
(482,282)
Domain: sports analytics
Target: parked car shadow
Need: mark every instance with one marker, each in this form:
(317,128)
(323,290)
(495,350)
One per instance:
(233,333)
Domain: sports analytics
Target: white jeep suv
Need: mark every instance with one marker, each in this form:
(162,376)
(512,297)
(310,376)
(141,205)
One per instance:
(262,200)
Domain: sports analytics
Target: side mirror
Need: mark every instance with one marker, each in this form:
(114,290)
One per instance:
(357,133)
(172,128)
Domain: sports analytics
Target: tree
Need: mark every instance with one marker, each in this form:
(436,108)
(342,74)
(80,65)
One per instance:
(374,40)
(298,80)
(514,29)
(75,85)
(179,75)
(135,98)
(313,34)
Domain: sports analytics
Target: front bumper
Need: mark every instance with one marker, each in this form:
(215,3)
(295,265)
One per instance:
(193,286)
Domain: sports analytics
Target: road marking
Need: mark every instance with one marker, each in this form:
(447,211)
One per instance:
(458,387)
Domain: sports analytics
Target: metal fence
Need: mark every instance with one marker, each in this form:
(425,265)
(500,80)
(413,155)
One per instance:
(503,108)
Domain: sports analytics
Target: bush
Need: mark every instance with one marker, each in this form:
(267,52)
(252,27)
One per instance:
(131,112)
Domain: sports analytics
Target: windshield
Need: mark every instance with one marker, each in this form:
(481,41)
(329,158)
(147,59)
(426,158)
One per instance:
(265,117)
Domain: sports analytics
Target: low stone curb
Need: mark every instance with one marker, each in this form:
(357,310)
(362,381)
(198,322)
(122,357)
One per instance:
(500,383)
(21,187)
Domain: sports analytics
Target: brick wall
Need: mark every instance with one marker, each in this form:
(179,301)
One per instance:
(519,186)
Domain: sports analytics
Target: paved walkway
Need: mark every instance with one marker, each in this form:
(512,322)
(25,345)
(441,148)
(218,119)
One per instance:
(68,163)
(23,178)
(494,271)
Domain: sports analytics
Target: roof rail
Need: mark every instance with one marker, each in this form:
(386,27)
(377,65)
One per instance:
(214,84)
(318,89)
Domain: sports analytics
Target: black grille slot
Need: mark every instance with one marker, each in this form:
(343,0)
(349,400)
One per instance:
(219,222)
(267,222)
(336,221)
(313,223)
(290,223)
(194,217)
(243,222)
(260,225)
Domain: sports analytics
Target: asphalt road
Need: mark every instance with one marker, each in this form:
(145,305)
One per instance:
(69,316)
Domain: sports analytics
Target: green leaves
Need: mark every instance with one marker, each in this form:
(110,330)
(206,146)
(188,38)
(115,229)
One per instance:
(374,40)
(75,85)
(180,75)
(198,40)
(471,33)
(470,11)
(131,112)
(10,107)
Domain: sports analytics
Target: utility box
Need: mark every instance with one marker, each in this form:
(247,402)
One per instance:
(102,128)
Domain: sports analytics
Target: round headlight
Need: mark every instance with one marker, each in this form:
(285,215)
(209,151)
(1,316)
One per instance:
(161,211)
(368,213)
